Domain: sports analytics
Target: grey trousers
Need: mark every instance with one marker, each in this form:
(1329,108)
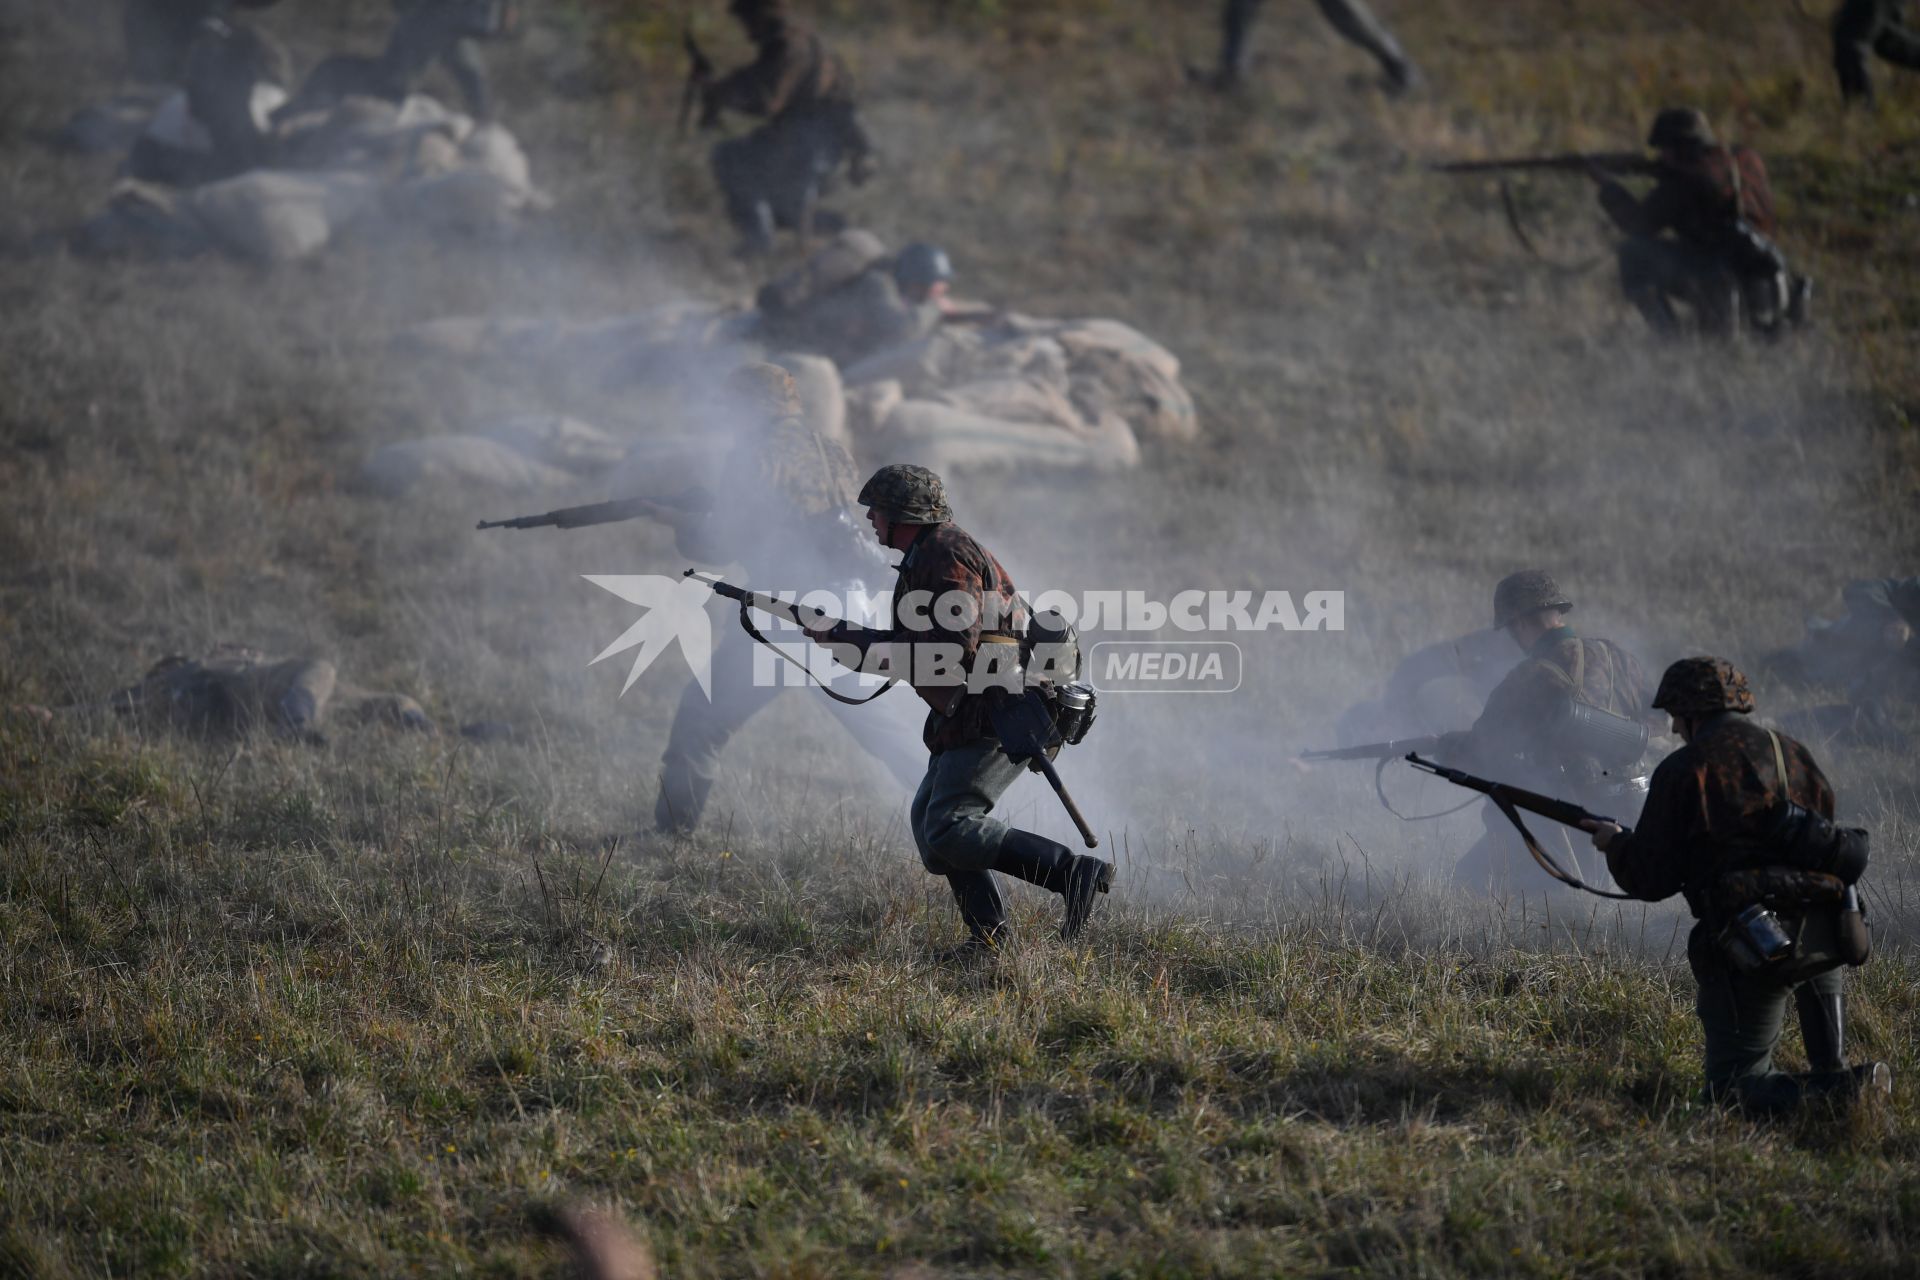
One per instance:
(1351,18)
(951,827)
(1863,29)
(702,727)
(1742,1016)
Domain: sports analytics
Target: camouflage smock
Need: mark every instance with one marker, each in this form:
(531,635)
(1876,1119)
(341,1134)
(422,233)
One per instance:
(943,558)
(1706,807)
(1516,729)
(1697,198)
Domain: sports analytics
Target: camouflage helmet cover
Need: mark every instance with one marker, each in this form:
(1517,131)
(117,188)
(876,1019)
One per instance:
(764,392)
(1680,127)
(907,494)
(1528,591)
(1701,686)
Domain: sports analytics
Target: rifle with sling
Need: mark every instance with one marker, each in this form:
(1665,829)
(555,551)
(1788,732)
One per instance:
(1023,721)
(1510,800)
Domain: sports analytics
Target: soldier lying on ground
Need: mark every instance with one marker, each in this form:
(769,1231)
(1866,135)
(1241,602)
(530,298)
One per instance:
(1713,813)
(1351,18)
(1719,259)
(1872,651)
(1532,732)
(236,690)
(851,300)
(775,176)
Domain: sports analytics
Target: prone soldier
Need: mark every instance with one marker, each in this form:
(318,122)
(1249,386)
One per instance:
(968,768)
(1564,720)
(886,301)
(1720,260)
(775,176)
(1730,821)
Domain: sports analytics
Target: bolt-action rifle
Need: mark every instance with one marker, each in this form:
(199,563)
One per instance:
(693,501)
(1392,750)
(1022,721)
(1510,800)
(1616,162)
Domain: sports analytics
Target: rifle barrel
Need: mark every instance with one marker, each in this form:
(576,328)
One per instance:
(1073,810)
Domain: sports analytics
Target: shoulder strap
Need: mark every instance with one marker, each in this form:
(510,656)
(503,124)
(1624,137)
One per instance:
(746,621)
(1780,765)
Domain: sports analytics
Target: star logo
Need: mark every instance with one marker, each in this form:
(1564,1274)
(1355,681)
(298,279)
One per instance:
(676,613)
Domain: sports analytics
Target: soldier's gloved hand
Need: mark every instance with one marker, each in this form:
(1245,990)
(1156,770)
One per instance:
(1604,833)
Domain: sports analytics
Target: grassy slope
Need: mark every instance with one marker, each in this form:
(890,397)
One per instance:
(347,1011)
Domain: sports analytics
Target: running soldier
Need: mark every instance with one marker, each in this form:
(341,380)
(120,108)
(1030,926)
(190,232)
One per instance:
(1863,29)
(968,769)
(1714,811)
(1351,18)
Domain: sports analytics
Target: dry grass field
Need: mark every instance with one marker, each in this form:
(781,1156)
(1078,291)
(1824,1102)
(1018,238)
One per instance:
(271,1009)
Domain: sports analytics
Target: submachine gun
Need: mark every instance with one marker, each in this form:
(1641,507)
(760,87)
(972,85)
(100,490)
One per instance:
(1029,728)
(1510,800)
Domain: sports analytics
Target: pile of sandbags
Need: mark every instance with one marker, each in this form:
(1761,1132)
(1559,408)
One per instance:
(527,453)
(1021,392)
(364,164)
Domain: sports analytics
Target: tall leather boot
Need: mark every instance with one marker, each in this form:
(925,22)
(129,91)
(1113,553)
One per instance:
(1823,1029)
(980,909)
(1076,877)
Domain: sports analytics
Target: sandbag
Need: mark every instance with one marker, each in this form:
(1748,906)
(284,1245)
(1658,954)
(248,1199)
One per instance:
(274,216)
(1115,366)
(1015,400)
(558,441)
(823,403)
(940,436)
(460,461)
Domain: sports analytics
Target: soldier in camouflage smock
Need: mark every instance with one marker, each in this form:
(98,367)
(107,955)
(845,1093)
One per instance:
(968,770)
(1522,735)
(1709,810)
(1864,28)
(787,517)
(1690,240)
(775,176)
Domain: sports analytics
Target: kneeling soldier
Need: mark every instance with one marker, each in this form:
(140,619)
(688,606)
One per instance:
(1714,808)
(969,769)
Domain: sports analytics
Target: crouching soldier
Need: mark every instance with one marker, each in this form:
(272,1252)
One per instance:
(1564,720)
(968,770)
(1740,807)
